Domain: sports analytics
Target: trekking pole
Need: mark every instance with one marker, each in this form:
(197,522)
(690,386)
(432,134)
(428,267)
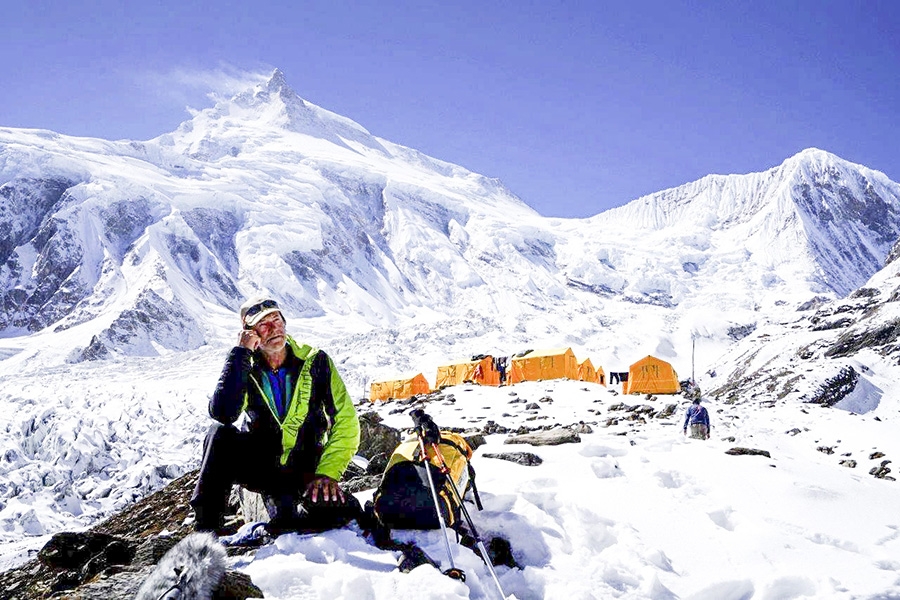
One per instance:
(484,553)
(426,429)
(433,441)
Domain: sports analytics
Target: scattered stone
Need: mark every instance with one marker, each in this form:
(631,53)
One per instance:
(850,464)
(491,428)
(793,431)
(881,471)
(474,439)
(826,449)
(667,412)
(876,455)
(520,458)
(550,437)
(581,427)
(546,399)
(748,452)
(533,406)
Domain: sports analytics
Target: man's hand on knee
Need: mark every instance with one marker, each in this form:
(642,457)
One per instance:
(324,489)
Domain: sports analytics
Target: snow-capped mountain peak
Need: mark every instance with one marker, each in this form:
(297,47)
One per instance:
(260,115)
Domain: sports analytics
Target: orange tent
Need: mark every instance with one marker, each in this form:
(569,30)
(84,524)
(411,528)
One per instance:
(587,372)
(480,371)
(651,375)
(398,389)
(535,365)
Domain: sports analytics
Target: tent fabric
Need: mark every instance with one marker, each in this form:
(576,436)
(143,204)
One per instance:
(481,372)
(651,375)
(555,363)
(399,389)
(587,372)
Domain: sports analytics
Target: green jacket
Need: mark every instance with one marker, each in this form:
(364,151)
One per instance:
(320,430)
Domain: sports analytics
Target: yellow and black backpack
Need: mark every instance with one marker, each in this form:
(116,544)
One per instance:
(403,499)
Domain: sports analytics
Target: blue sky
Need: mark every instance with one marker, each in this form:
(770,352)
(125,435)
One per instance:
(576,106)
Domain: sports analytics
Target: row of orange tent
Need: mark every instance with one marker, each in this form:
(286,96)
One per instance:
(647,376)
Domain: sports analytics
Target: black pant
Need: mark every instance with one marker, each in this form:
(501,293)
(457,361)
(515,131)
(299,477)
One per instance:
(238,457)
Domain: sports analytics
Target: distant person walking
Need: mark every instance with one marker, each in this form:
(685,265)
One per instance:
(697,418)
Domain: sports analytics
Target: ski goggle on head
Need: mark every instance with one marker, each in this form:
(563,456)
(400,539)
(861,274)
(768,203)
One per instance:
(256,309)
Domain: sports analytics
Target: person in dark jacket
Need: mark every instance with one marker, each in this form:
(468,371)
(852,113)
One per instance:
(299,433)
(697,418)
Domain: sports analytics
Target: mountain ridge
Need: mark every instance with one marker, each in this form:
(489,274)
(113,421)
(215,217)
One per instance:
(244,197)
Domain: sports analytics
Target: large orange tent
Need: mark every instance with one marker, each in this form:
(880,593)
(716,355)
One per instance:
(479,371)
(399,389)
(536,365)
(651,375)
(587,372)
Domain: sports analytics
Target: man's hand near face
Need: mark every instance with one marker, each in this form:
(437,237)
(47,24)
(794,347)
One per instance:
(249,339)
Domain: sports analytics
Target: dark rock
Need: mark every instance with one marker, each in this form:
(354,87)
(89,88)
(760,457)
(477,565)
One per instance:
(474,439)
(826,449)
(520,458)
(491,428)
(739,332)
(376,442)
(500,553)
(841,323)
(864,293)
(237,586)
(851,342)
(532,406)
(667,412)
(73,550)
(881,471)
(748,452)
(850,464)
(837,388)
(876,455)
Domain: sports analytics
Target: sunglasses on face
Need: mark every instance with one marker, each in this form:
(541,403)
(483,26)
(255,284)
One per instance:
(258,308)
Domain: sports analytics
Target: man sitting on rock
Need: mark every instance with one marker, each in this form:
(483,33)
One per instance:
(300,431)
(697,418)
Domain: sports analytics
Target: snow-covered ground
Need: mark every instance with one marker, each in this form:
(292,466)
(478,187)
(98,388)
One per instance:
(633,511)
(636,510)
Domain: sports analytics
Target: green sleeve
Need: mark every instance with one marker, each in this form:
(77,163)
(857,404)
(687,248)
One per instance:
(343,441)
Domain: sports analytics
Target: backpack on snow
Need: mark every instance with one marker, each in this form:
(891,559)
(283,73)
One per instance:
(403,499)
